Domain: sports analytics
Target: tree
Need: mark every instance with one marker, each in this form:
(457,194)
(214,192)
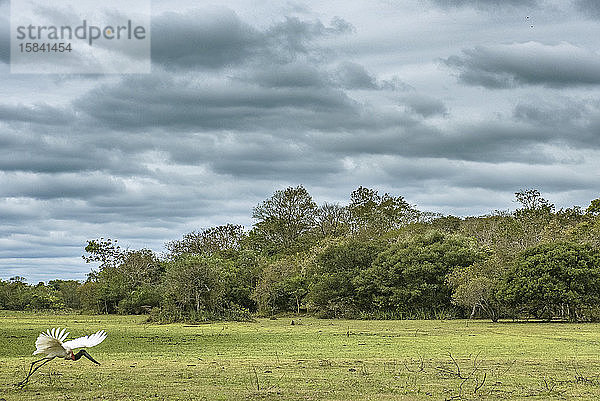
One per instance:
(194,284)
(549,280)
(372,214)
(142,274)
(476,286)
(594,208)
(126,280)
(282,285)
(17,294)
(562,222)
(141,267)
(446,224)
(241,277)
(44,297)
(498,236)
(587,232)
(532,218)
(332,220)
(333,272)
(67,290)
(89,294)
(410,276)
(105,251)
(284,221)
(531,199)
(587,229)
(211,241)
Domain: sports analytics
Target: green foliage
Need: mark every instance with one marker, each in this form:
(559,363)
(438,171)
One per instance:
(44,298)
(193,284)
(282,285)
(586,232)
(411,274)
(446,224)
(332,275)
(377,256)
(89,296)
(119,275)
(476,286)
(104,251)
(67,291)
(332,220)
(554,280)
(16,294)
(372,214)
(532,219)
(211,241)
(140,300)
(241,277)
(594,208)
(285,221)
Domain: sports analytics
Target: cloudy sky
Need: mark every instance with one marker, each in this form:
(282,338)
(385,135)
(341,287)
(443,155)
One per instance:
(453,104)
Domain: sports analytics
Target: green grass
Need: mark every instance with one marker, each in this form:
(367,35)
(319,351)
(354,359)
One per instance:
(310,360)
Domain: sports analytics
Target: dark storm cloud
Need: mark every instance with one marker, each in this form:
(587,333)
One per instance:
(531,63)
(37,113)
(305,168)
(292,75)
(295,36)
(4,41)
(503,177)
(425,106)
(494,141)
(241,103)
(209,39)
(305,120)
(354,76)
(550,115)
(589,8)
(80,147)
(294,158)
(218,38)
(298,74)
(573,123)
(138,103)
(51,186)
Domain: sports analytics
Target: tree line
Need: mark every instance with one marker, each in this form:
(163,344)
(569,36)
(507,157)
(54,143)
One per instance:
(376,257)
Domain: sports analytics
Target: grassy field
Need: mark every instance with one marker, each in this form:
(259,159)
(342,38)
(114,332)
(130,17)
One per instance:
(310,360)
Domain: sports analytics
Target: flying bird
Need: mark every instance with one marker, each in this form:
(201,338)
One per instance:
(51,343)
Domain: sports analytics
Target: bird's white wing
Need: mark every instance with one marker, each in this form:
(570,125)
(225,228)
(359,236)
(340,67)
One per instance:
(50,342)
(86,341)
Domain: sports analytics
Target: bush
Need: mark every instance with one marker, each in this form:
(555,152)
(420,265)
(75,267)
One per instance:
(140,301)
(554,280)
(282,286)
(332,289)
(411,275)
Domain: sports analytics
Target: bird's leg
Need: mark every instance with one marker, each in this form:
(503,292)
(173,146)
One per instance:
(32,370)
(84,353)
(24,382)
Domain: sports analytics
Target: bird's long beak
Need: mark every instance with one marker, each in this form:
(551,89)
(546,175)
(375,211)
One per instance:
(88,356)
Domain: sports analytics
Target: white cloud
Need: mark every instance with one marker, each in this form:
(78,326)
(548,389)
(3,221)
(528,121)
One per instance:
(322,95)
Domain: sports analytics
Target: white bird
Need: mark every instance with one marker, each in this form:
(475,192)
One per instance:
(51,343)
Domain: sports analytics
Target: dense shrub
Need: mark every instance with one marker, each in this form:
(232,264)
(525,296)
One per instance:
(333,273)
(554,280)
(411,275)
(376,257)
